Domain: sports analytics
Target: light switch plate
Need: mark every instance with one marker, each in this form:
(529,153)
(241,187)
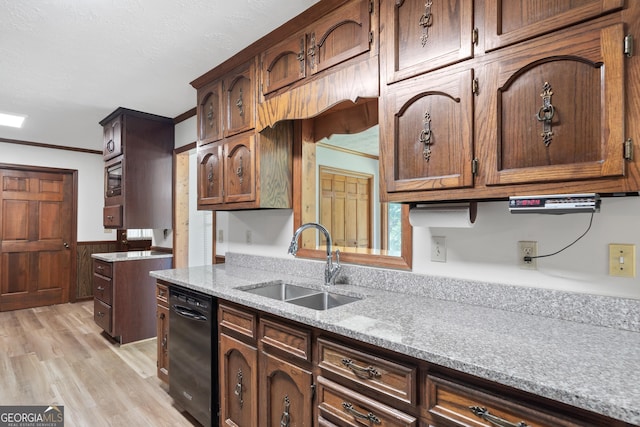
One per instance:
(622,260)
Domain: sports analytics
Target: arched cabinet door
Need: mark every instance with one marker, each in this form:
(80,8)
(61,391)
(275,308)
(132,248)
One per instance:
(427,133)
(210,113)
(240,167)
(286,393)
(341,35)
(558,109)
(210,174)
(239,383)
(284,64)
(240,99)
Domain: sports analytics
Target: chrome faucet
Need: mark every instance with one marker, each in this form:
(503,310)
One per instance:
(330,270)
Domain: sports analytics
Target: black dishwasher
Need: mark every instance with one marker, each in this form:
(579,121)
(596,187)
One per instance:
(193,354)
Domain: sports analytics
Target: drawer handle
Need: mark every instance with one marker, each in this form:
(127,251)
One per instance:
(285,419)
(100,288)
(369,417)
(238,389)
(497,421)
(366,373)
(100,314)
(99,267)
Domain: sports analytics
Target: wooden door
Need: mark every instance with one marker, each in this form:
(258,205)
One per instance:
(240,168)
(238,383)
(286,393)
(240,99)
(341,35)
(284,63)
(112,132)
(37,237)
(421,36)
(426,132)
(511,21)
(210,113)
(345,207)
(558,109)
(210,174)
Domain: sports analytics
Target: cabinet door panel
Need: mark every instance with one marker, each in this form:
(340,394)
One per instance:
(210,178)
(240,100)
(560,110)
(284,64)
(421,36)
(162,332)
(239,383)
(339,36)
(239,169)
(112,139)
(210,113)
(286,393)
(510,21)
(427,133)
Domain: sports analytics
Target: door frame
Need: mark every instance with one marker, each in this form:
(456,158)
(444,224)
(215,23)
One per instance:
(73,274)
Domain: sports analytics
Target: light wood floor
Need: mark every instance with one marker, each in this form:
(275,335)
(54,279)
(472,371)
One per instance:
(57,355)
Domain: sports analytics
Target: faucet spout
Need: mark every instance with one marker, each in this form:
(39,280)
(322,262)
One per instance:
(331,270)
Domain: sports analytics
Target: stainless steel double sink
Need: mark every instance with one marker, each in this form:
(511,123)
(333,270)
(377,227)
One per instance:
(300,295)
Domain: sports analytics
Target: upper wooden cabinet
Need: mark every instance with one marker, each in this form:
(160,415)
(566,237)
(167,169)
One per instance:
(426,132)
(210,113)
(422,35)
(508,21)
(137,182)
(336,37)
(112,132)
(558,109)
(247,171)
(239,87)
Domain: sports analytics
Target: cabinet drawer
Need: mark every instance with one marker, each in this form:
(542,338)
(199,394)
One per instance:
(103,268)
(238,322)
(463,405)
(291,340)
(342,406)
(112,216)
(102,288)
(102,315)
(391,379)
(162,295)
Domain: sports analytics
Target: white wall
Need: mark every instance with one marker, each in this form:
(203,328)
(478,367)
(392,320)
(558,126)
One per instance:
(90,169)
(487,252)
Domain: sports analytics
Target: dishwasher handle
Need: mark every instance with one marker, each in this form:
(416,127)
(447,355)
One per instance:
(188,313)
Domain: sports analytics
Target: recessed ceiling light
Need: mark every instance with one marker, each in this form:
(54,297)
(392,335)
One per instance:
(13,120)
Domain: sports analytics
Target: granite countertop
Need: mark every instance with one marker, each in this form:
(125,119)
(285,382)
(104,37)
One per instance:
(584,365)
(130,255)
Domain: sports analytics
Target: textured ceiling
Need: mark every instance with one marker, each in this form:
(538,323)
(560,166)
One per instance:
(67,64)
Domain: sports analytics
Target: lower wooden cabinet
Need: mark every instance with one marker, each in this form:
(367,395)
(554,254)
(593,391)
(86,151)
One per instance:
(162,331)
(276,372)
(238,382)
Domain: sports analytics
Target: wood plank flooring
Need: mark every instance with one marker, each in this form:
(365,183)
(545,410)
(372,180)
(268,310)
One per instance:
(58,355)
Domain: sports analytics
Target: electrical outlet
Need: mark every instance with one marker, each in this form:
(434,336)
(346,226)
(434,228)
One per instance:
(438,249)
(220,236)
(248,237)
(527,249)
(622,260)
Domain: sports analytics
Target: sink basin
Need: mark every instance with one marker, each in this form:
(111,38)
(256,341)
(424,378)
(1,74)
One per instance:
(280,291)
(324,300)
(299,295)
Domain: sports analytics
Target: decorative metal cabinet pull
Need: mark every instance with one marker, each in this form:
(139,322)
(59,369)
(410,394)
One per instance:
(426,136)
(426,20)
(546,113)
(286,418)
(496,421)
(238,390)
(312,50)
(369,417)
(111,146)
(240,104)
(368,372)
(240,171)
(210,114)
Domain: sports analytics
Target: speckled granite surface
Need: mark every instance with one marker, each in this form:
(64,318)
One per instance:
(581,364)
(129,256)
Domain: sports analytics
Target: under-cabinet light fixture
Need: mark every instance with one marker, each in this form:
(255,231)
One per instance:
(12,120)
(555,203)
